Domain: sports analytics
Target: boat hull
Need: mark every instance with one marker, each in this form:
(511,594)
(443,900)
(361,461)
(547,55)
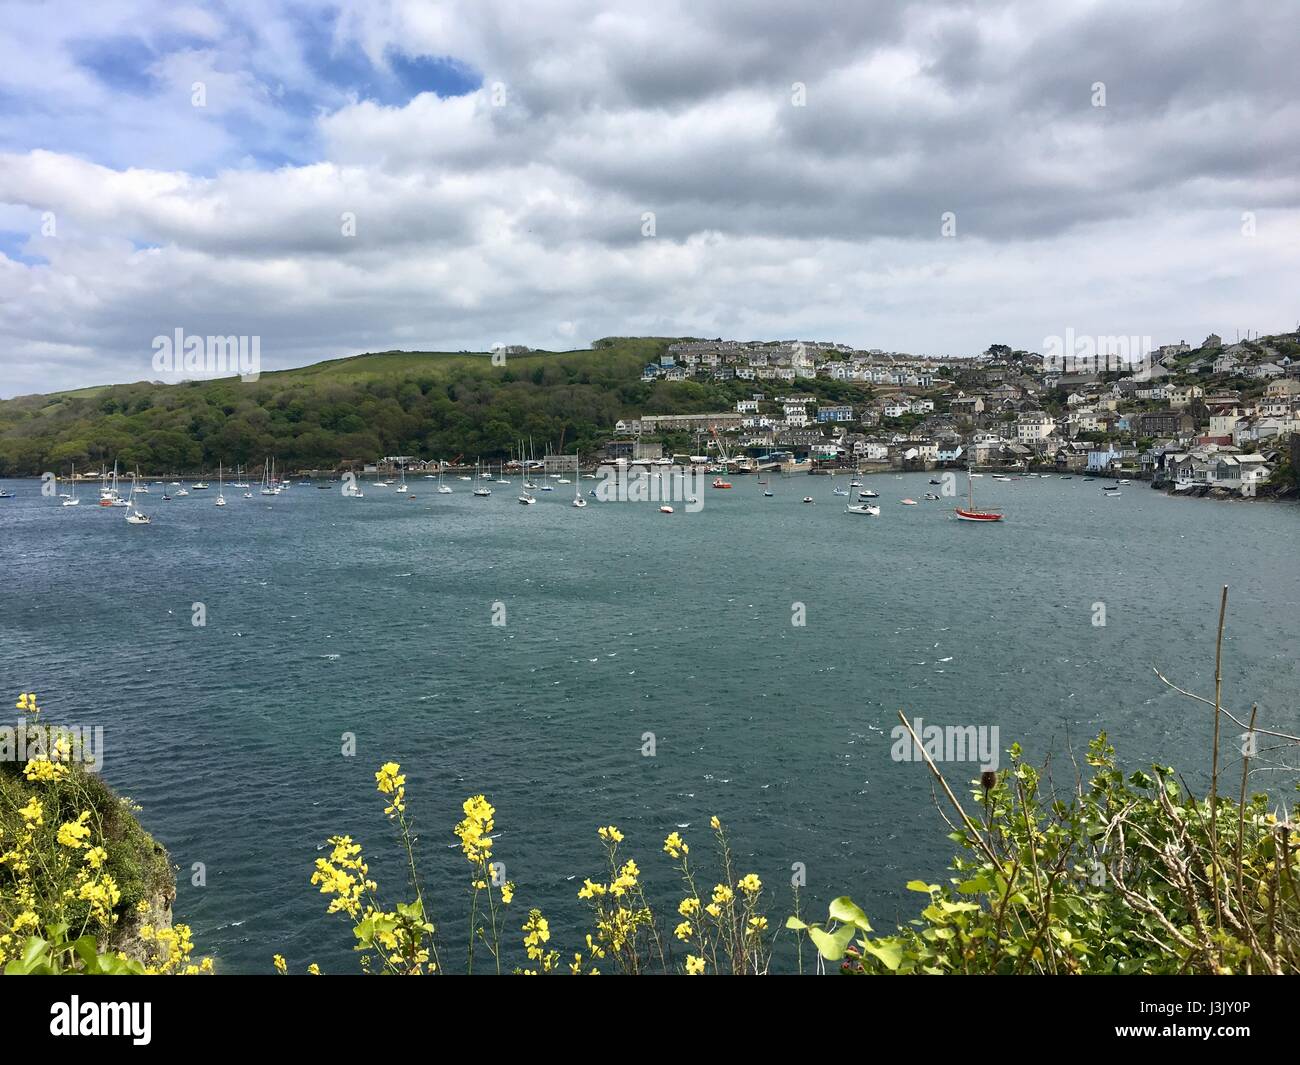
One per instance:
(976,515)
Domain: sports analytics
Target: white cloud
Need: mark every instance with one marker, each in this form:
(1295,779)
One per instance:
(521,223)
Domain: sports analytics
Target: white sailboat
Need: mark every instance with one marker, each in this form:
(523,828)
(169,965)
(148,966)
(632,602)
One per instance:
(108,493)
(443,489)
(401,488)
(71,500)
(267,488)
(578,501)
(221,486)
(134,516)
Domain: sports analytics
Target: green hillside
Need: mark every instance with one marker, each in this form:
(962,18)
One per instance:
(353,410)
(431,404)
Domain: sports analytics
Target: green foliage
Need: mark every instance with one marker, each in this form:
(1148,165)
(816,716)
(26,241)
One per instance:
(57,956)
(348,411)
(344,410)
(1126,876)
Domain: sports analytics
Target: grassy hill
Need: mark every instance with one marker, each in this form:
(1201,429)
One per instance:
(432,404)
(352,410)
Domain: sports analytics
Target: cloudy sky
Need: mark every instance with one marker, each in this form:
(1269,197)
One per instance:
(446,174)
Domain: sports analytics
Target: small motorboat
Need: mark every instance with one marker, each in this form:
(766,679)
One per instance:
(863,508)
(855,484)
(768,495)
(808,499)
(1114,493)
(931,495)
(718,482)
(868,493)
(578,501)
(481,492)
(935,480)
(839,491)
(908,502)
(665,509)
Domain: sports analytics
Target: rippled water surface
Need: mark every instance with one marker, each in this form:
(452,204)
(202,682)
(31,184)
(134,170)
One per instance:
(328,616)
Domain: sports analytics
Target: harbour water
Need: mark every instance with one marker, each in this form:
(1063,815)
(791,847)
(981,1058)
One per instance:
(327,616)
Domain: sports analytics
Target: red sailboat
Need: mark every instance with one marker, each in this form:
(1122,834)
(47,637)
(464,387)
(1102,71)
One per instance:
(969,513)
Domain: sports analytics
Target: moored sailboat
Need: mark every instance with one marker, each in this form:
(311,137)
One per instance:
(969,513)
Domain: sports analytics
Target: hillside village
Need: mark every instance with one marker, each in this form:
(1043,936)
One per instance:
(1215,417)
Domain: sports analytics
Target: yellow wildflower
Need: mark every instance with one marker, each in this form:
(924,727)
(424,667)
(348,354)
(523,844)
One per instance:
(507,892)
(715,824)
(103,896)
(539,933)
(73,833)
(475,830)
(33,812)
(750,884)
(42,770)
(694,965)
(675,846)
(279,963)
(389,778)
(683,931)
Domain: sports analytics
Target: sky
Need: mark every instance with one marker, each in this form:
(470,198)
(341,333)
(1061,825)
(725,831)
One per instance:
(364,175)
